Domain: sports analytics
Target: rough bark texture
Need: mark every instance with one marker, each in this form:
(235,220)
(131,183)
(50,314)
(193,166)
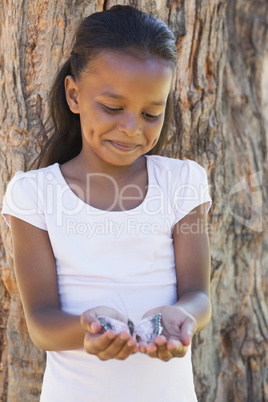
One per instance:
(221,121)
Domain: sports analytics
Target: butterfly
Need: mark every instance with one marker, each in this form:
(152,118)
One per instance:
(146,330)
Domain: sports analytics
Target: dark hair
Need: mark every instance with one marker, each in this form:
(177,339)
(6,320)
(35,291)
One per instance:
(120,28)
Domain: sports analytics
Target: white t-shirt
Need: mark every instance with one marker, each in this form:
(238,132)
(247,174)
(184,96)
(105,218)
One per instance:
(122,259)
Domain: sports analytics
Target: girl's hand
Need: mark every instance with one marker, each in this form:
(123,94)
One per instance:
(106,345)
(178,329)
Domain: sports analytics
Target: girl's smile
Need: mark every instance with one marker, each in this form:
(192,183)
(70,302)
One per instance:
(124,147)
(121,102)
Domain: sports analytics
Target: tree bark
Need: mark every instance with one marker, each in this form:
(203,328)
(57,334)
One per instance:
(220,120)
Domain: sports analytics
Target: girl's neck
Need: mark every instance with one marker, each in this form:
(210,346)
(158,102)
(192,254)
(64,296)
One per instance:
(101,169)
(123,187)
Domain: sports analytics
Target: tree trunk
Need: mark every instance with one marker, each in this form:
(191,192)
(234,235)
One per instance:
(221,121)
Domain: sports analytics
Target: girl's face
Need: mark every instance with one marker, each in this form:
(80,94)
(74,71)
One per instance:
(121,103)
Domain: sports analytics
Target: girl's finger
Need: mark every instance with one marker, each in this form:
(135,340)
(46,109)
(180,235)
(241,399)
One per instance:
(142,347)
(151,350)
(162,352)
(94,343)
(160,340)
(117,347)
(129,348)
(176,348)
(90,322)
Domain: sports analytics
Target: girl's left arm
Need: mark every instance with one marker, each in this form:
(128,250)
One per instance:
(192,311)
(193,265)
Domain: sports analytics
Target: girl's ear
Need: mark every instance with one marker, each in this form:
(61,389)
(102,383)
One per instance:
(71,93)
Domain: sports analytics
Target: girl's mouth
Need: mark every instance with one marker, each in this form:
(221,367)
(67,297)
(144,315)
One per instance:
(124,147)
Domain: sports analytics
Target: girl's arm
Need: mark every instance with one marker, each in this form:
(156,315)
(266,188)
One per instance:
(49,327)
(192,312)
(193,265)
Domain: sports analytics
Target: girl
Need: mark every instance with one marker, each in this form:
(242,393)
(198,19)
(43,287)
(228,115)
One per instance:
(107,234)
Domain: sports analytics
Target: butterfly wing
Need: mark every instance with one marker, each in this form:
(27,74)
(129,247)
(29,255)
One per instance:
(149,328)
(146,330)
(113,324)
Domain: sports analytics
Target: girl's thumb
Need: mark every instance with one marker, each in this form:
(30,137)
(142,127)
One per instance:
(90,323)
(187,331)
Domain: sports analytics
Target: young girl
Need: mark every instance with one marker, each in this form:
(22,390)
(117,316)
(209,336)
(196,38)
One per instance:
(111,256)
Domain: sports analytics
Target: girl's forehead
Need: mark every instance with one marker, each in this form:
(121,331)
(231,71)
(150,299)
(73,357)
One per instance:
(123,66)
(145,80)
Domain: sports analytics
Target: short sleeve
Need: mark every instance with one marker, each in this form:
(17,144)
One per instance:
(23,200)
(191,190)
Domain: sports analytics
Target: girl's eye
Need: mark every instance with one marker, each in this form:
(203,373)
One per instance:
(150,116)
(110,109)
(116,110)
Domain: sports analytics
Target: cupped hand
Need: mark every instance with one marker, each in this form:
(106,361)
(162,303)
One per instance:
(106,344)
(178,329)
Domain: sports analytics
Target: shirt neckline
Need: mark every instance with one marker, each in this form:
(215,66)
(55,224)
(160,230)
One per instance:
(83,203)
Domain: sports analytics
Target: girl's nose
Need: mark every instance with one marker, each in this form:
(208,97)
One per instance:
(129,124)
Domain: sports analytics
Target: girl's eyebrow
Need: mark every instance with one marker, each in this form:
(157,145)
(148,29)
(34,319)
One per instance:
(116,96)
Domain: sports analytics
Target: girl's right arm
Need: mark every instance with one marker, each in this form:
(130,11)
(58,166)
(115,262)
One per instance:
(49,327)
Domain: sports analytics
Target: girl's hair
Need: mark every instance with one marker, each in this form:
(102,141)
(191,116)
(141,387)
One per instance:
(122,28)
